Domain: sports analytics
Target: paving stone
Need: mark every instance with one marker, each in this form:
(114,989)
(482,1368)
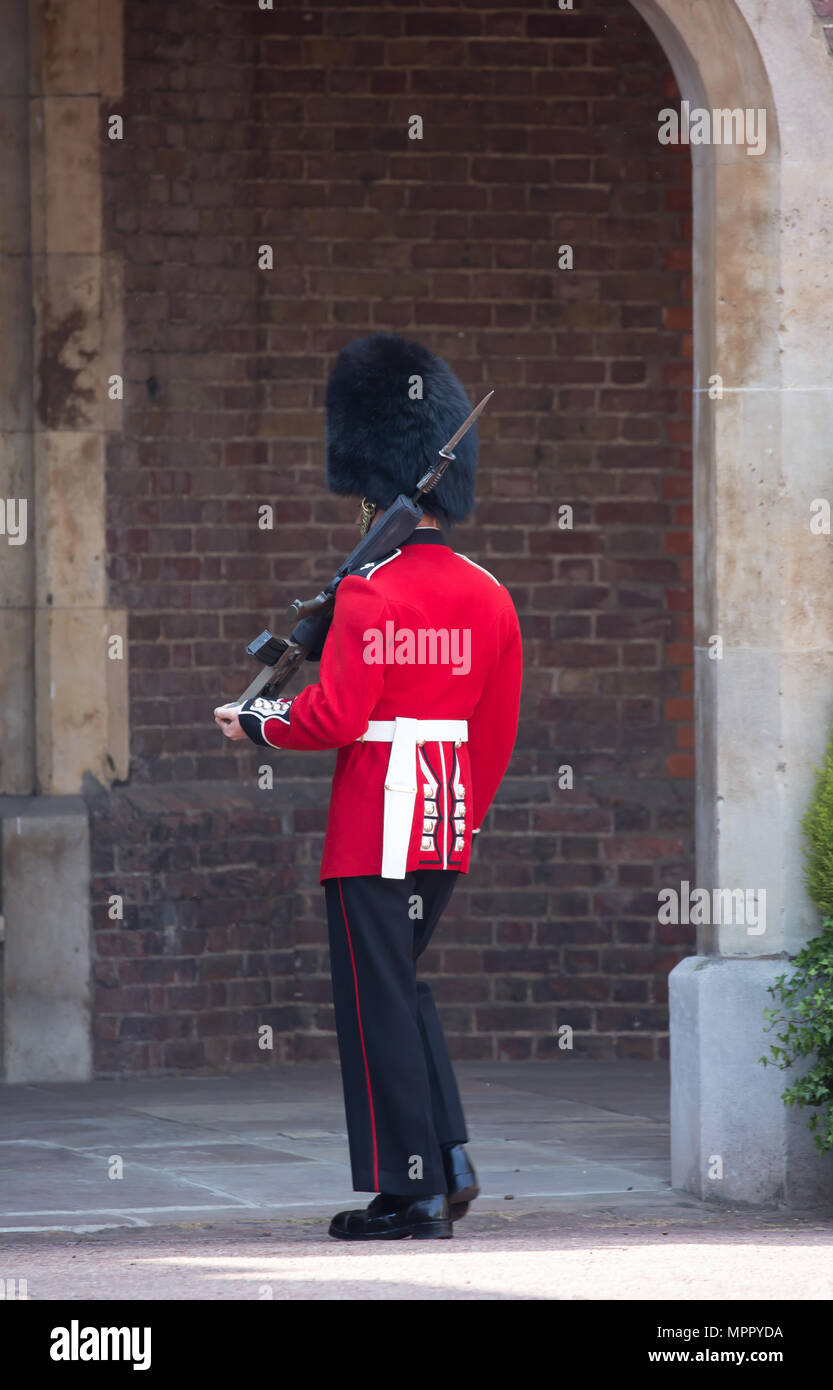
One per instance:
(175,1157)
(273,1144)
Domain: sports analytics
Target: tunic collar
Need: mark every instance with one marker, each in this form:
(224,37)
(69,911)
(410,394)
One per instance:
(425,535)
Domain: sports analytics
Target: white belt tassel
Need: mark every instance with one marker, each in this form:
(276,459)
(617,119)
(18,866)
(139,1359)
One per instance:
(400,785)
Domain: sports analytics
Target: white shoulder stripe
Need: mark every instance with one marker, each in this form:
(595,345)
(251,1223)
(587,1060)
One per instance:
(479,567)
(367,571)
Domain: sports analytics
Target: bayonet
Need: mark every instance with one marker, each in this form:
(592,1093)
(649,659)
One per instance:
(432,477)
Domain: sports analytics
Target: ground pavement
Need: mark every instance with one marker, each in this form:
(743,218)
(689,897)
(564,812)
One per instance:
(228,1183)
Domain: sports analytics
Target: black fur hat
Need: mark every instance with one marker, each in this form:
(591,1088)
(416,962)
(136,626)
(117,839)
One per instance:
(380,440)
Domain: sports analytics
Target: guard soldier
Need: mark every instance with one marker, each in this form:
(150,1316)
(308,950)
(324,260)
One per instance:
(419,691)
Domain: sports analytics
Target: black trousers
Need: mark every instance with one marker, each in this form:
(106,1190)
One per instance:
(400,1094)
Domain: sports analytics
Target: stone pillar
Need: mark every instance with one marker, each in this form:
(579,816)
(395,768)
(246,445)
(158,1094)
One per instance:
(63,700)
(46,875)
(17,553)
(81,695)
(763,247)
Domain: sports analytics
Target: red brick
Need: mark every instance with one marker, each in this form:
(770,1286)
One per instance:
(679,709)
(680,765)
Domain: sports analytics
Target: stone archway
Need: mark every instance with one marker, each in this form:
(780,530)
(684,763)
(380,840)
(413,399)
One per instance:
(763,323)
(762,246)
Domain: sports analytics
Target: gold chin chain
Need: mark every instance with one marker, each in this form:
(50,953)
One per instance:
(368,513)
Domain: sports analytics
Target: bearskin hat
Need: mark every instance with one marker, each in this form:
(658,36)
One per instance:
(391,406)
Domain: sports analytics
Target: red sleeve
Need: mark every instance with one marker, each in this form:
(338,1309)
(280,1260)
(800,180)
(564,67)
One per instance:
(336,711)
(493,726)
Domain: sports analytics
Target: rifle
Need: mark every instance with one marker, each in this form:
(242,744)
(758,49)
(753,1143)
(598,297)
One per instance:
(281,656)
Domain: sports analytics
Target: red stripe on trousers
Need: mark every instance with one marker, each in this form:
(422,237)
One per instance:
(361,1036)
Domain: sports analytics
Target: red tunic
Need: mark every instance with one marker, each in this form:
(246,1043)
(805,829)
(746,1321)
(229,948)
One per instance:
(424,633)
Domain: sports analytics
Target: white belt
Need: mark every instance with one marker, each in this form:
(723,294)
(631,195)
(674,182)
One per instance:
(400,786)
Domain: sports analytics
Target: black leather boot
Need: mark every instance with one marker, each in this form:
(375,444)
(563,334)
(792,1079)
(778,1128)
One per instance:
(392,1218)
(462,1180)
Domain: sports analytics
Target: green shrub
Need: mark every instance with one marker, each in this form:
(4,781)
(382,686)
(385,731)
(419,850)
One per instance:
(806,1019)
(804,1009)
(817,825)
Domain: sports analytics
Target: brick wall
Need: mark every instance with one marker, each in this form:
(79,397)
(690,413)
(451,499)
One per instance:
(245,128)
